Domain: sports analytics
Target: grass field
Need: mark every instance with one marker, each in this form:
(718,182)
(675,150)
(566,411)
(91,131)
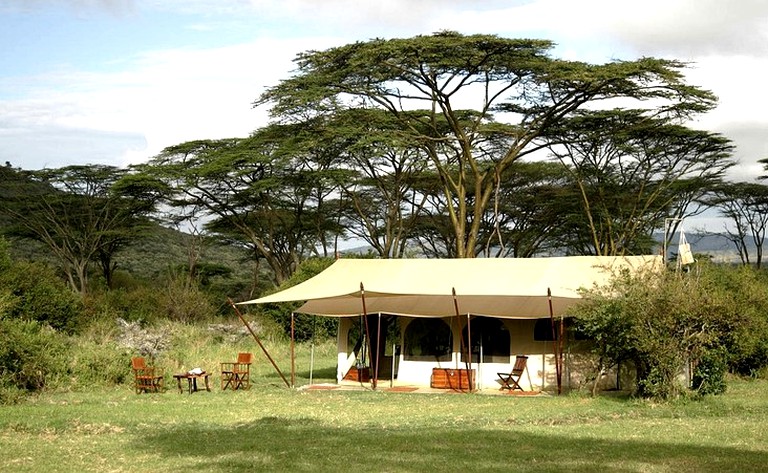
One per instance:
(273,428)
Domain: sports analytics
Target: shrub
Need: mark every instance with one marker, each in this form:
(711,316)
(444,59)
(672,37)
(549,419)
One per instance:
(709,374)
(97,363)
(141,304)
(32,358)
(659,321)
(183,301)
(40,296)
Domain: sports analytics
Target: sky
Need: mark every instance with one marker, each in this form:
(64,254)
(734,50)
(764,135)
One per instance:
(116,81)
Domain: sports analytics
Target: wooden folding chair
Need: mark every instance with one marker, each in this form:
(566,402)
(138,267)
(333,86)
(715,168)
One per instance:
(511,380)
(145,378)
(237,375)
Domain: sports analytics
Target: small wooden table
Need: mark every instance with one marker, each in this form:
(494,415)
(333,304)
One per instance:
(192,381)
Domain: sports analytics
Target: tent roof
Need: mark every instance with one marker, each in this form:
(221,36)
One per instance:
(500,287)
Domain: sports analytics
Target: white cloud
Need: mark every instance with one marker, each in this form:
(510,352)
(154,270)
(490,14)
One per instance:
(158,98)
(166,96)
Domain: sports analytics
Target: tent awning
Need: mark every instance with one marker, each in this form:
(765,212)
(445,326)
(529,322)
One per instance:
(500,287)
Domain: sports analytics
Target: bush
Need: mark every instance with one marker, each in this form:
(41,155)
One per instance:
(183,301)
(659,321)
(95,363)
(38,295)
(141,304)
(31,358)
(709,374)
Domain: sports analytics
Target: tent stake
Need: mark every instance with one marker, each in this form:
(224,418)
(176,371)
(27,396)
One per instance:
(242,319)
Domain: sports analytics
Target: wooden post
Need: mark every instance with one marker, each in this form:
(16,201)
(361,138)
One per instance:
(378,350)
(555,342)
(255,337)
(367,331)
(468,363)
(293,352)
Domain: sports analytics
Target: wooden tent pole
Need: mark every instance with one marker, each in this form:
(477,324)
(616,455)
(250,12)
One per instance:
(367,332)
(378,350)
(554,341)
(468,363)
(293,351)
(561,344)
(242,319)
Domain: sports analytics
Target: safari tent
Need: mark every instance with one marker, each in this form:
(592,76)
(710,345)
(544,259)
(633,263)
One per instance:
(452,317)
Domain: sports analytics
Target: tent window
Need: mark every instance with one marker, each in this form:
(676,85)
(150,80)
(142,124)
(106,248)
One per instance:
(427,340)
(492,335)
(542,331)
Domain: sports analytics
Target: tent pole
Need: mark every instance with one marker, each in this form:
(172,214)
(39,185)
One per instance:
(293,352)
(468,363)
(554,341)
(255,337)
(367,332)
(378,350)
(312,350)
(561,342)
(392,374)
(469,357)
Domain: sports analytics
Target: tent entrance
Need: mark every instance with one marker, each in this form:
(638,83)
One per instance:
(375,341)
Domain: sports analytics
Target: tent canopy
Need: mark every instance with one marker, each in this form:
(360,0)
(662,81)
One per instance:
(499,287)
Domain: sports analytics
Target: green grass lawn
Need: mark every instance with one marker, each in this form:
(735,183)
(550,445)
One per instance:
(273,428)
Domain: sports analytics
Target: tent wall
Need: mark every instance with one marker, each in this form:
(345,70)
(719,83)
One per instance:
(540,375)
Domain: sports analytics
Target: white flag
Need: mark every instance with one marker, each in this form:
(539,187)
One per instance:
(684,255)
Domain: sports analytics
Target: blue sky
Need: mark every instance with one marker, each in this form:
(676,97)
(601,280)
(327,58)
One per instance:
(116,81)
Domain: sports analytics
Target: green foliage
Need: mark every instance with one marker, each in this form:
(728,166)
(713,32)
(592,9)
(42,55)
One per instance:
(140,304)
(659,321)
(175,298)
(182,300)
(98,363)
(743,292)
(709,375)
(39,295)
(32,358)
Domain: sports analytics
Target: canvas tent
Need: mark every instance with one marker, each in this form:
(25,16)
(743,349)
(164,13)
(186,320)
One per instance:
(499,287)
(504,288)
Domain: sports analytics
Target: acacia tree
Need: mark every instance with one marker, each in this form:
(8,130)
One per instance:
(257,191)
(631,171)
(426,82)
(382,197)
(529,211)
(745,204)
(527,215)
(82,214)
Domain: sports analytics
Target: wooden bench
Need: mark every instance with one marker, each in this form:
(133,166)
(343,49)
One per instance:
(449,378)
